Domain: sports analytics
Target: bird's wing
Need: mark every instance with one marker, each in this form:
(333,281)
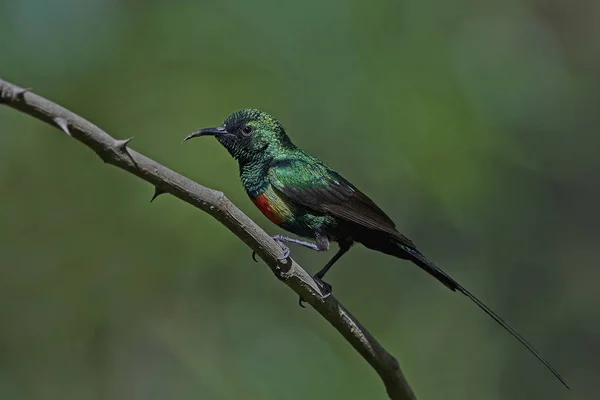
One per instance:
(311,184)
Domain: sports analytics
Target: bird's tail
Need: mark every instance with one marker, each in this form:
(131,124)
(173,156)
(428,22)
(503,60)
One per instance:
(422,261)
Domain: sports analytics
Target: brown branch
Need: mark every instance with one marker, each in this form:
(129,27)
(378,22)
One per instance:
(118,153)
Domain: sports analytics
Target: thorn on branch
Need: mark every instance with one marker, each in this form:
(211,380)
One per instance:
(63,125)
(121,145)
(157,192)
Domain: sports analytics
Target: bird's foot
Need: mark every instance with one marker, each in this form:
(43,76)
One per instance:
(327,288)
(286,250)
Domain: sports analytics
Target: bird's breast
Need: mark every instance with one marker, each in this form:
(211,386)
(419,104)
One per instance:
(273,206)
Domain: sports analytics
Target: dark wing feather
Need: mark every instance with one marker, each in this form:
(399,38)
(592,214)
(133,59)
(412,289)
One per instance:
(311,184)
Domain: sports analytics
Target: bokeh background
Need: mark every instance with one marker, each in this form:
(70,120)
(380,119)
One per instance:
(473,123)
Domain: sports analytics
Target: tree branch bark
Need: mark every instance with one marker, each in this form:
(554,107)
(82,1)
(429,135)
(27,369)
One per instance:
(117,153)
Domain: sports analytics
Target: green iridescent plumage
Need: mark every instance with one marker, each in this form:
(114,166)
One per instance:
(302,195)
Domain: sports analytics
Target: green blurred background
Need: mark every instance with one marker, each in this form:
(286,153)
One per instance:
(474,124)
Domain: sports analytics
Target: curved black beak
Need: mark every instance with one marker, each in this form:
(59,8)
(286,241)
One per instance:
(207,132)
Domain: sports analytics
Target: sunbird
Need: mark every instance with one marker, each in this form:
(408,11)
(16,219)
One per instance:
(302,195)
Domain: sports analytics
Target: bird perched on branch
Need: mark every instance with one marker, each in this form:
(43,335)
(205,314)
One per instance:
(302,195)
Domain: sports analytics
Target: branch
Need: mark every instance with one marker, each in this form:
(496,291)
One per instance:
(118,153)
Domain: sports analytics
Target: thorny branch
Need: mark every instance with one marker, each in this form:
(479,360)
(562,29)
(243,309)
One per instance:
(118,153)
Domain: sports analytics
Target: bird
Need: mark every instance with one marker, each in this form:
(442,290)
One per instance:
(302,195)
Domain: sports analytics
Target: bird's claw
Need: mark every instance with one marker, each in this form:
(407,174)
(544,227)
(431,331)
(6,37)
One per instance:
(327,289)
(286,250)
(300,302)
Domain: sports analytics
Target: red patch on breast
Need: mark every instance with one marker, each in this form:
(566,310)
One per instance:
(262,202)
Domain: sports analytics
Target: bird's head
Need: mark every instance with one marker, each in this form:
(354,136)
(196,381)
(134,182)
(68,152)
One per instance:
(248,135)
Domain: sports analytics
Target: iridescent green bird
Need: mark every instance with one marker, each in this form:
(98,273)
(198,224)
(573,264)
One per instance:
(302,195)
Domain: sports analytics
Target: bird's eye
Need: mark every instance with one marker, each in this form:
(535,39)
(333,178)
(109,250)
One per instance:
(247,130)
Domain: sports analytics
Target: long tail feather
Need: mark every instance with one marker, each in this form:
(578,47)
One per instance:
(448,281)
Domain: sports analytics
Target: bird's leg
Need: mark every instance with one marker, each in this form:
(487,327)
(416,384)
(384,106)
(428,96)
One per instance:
(310,245)
(321,274)
(322,244)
